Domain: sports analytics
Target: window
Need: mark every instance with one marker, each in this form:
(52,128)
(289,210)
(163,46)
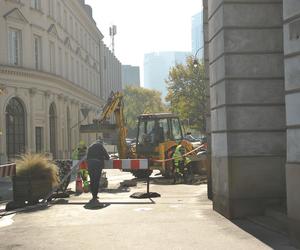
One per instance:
(146,131)
(82,75)
(52,57)
(58,12)
(87,84)
(39,139)
(71,26)
(60,62)
(15,47)
(65,20)
(15,128)
(176,130)
(36,4)
(76,31)
(37,46)
(66,65)
(72,70)
(81,37)
(51,7)
(77,73)
(163,130)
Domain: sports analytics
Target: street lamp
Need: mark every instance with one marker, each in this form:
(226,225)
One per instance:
(195,62)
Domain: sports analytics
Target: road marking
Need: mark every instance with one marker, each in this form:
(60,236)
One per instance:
(6,220)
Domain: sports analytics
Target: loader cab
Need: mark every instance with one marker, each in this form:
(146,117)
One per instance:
(157,129)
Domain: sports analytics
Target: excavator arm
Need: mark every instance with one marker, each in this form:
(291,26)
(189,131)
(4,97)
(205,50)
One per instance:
(115,106)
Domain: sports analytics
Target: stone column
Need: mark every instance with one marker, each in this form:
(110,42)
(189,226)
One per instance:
(60,126)
(31,115)
(47,119)
(292,87)
(247,105)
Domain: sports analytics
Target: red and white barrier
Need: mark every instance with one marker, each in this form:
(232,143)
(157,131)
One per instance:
(8,170)
(129,164)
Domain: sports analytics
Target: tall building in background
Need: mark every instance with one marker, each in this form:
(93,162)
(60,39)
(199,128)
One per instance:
(197,34)
(157,66)
(130,76)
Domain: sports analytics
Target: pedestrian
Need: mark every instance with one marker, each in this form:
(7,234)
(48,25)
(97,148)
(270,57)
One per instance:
(96,154)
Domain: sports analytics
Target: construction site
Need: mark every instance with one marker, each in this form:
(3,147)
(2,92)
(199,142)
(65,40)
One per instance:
(234,187)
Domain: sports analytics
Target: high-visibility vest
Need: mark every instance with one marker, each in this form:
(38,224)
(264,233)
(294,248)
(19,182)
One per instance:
(178,156)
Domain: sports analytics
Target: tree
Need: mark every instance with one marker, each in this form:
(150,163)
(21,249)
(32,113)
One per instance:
(187,92)
(138,101)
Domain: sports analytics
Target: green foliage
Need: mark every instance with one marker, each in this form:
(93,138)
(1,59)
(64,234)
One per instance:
(187,92)
(138,101)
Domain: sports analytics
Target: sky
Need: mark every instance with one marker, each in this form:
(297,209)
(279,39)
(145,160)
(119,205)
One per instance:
(145,26)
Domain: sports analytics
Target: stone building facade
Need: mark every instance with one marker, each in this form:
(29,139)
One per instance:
(56,73)
(252,56)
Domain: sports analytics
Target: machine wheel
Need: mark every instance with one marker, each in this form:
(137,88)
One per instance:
(142,174)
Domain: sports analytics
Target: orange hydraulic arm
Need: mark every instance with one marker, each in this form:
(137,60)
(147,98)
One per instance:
(115,105)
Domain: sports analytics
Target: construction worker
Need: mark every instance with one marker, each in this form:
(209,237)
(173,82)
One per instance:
(80,151)
(96,154)
(179,161)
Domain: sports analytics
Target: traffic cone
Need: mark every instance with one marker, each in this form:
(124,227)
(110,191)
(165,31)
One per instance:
(79,188)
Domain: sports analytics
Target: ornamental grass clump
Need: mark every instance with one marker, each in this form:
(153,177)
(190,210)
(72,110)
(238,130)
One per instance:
(37,167)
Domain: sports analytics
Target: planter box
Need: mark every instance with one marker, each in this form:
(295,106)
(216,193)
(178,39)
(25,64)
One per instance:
(31,190)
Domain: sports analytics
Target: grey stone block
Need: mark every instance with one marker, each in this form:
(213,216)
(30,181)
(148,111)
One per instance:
(220,178)
(252,15)
(293,184)
(292,74)
(261,65)
(257,177)
(256,144)
(292,109)
(215,23)
(217,70)
(290,8)
(212,6)
(216,46)
(219,119)
(219,144)
(293,147)
(218,95)
(255,118)
(253,40)
(291,45)
(294,230)
(254,91)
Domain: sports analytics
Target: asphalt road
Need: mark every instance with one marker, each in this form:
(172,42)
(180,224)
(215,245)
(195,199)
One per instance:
(182,218)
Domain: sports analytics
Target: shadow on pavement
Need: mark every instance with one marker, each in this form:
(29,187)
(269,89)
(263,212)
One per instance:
(120,189)
(95,205)
(67,202)
(273,239)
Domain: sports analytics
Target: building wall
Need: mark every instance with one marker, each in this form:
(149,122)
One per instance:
(72,82)
(291,20)
(130,76)
(157,66)
(247,105)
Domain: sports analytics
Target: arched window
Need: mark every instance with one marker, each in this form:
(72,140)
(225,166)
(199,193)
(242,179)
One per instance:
(15,128)
(52,126)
